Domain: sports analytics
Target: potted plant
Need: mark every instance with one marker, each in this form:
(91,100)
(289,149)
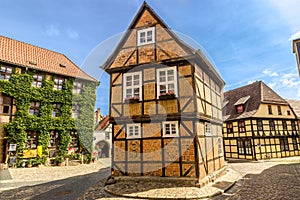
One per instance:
(133,99)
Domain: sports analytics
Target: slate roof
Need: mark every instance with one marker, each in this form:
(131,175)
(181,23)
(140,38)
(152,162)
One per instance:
(255,93)
(26,55)
(295,104)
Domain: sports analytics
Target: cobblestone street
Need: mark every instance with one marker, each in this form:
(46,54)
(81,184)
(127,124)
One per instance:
(278,179)
(274,179)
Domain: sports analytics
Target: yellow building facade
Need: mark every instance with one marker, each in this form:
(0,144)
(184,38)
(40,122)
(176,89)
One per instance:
(259,124)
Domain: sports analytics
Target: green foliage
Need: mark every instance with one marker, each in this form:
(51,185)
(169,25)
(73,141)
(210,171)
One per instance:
(19,87)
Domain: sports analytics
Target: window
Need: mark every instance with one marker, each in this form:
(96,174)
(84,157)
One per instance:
(240,109)
(293,125)
(53,139)
(170,129)
(284,145)
(242,127)
(5,72)
(284,125)
(279,110)
(288,112)
(270,109)
(5,104)
(229,127)
(259,125)
(132,83)
(146,36)
(77,87)
(34,108)
(133,131)
(220,146)
(56,110)
(107,137)
(73,139)
(295,145)
(207,129)
(31,140)
(167,81)
(244,147)
(58,82)
(75,111)
(37,80)
(272,125)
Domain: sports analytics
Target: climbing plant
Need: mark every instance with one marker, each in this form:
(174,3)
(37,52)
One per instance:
(20,88)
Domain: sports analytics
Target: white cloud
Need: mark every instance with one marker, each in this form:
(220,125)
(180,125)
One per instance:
(270,73)
(52,31)
(272,84)
(295,36)
(72,34)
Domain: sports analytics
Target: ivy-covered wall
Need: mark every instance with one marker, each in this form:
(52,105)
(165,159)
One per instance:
(19,87)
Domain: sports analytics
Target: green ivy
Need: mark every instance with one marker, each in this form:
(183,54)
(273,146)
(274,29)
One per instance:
(19,87)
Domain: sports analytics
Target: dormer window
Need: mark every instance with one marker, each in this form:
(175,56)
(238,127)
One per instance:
(146,36)
(240,104)
(240,109)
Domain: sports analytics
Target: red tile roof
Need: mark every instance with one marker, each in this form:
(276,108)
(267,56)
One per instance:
(103,124)
(255,93)
(34,57)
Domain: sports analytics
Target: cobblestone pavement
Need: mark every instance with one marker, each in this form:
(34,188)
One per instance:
(68,182)
(273,179)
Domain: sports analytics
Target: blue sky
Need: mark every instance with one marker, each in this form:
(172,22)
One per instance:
(247,40)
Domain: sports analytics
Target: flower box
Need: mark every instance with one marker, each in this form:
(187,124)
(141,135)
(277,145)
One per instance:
(167,96)
(135,99)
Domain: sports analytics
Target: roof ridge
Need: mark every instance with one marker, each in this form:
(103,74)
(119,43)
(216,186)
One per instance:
(32,45)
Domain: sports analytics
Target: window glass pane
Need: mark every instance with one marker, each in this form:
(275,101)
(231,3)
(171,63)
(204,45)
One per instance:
(3,69)
(171,87)
(162,89)
(9,70)
(136,92)
(6,109)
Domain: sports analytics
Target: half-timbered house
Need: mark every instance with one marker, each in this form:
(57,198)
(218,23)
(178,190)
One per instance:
(165,104)
(259,124)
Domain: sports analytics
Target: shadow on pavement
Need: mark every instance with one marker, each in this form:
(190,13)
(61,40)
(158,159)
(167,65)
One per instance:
(69,188)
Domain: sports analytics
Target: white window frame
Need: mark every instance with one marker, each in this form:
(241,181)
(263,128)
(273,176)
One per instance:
(207,129)
(164,124)
(132,86)
(145,31)
(166,82)
(136,127)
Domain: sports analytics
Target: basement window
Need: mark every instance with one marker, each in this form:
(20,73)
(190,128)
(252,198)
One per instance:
(146,36)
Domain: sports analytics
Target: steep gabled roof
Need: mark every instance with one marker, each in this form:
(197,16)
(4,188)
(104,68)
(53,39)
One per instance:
(295,104)
(190,51)
(255,93)
(26,55)
(103,124)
